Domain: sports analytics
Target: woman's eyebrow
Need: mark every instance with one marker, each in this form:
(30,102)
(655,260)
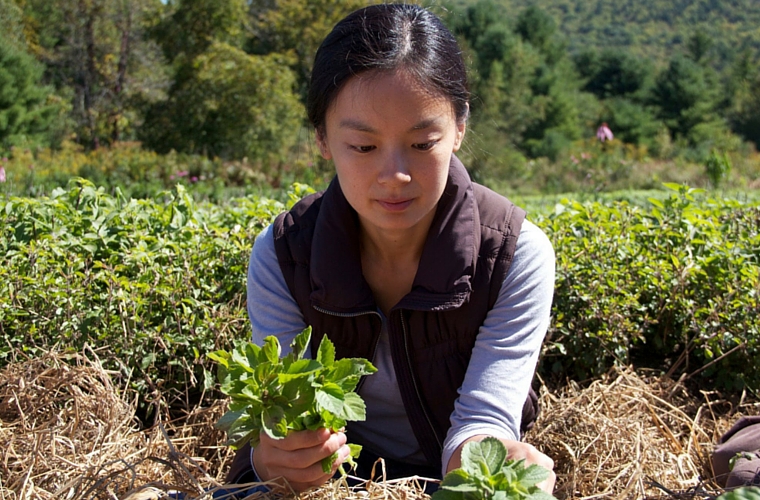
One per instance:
(356,125)
(363,127)
(428,122)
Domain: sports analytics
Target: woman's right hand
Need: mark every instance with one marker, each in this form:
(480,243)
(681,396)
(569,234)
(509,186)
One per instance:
(297,457)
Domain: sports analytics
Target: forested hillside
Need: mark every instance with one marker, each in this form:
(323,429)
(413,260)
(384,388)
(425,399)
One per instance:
(654,28)
(223,82)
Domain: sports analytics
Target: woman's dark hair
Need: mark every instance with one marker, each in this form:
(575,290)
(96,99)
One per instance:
(388,37)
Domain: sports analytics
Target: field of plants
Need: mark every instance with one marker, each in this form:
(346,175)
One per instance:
(150,286)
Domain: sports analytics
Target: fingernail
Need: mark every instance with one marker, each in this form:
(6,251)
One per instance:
(345,451)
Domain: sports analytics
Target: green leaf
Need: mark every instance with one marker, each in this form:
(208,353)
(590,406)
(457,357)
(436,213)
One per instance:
(328,462)
(270,350)
(490,452)
(299,369)
(354,408)
(355,450)
(443,494)
(273,420)
(533,475)
(220,357)
(301,343)
(455,478)
(326,353)
(229,418)
(330,397)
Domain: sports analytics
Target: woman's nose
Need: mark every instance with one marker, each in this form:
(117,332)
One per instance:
(394,169)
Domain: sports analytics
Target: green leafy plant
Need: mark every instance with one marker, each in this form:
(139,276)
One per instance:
(487,474)
(277,395)
(743,493)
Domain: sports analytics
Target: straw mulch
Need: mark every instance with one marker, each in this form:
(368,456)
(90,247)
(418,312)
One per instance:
(634,435)
(67,432)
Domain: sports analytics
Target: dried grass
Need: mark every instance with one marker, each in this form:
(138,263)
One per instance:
(632,435)
(66,432)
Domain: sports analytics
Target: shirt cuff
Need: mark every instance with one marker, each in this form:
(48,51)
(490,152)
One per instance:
(253,468)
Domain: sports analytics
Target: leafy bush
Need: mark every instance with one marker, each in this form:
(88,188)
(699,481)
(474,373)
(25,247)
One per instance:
(151,284)
(675,286)
(138,173)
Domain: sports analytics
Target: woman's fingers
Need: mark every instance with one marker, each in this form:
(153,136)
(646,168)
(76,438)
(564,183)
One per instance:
(298,457)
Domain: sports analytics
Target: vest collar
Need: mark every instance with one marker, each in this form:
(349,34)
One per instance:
(444,275)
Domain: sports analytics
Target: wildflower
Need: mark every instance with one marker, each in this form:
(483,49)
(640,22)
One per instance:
(574,159)
(182,173)
(586,156)
(193,179)
(604,133)
(2,174)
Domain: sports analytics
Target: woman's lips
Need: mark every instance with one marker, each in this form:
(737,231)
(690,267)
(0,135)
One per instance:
(395,205)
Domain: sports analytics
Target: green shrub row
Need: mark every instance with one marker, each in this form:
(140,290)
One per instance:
(674,286)
(153,285)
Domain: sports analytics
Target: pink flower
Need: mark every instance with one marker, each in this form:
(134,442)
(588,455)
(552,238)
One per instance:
(193,179)
(586,156)
(604,133)
(2,174)
(182,174)
(574,159)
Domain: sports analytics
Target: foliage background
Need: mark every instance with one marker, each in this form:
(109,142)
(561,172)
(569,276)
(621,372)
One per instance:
(186,118)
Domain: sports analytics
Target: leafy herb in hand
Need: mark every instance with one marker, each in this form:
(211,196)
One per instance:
(278,395)
(486,474)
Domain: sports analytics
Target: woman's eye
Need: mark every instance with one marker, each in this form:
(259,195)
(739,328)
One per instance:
(424,146)
(363,149)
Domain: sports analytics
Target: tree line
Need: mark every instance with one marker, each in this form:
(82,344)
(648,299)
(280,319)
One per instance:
(227,78)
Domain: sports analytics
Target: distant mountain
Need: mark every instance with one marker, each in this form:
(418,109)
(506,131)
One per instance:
(654,28)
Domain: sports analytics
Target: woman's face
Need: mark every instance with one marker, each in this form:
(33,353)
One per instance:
(391,142)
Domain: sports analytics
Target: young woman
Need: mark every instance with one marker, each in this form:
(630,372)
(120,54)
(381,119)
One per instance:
(404,261)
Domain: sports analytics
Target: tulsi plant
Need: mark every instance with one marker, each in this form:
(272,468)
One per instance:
(281,394)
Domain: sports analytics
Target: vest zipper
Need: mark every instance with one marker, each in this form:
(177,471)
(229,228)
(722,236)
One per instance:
(354,315)
(414,383)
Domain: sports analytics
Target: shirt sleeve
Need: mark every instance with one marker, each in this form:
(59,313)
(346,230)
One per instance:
(506,350)
(272,310)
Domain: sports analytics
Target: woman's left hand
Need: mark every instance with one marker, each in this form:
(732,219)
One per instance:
(517,450)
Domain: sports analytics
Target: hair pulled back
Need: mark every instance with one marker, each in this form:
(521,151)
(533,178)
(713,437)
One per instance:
(388,37)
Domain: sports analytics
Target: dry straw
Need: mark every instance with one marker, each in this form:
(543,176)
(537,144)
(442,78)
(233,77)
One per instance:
(66,432)
(634,435)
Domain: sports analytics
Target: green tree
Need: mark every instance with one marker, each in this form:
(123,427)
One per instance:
(29,112)
(11,21)
(191,26)
(745,115)
(96,52)
(687,95)
(296,28)
(614,73)
(231,105)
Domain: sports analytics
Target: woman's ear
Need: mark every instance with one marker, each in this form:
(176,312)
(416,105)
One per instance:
(461,128)
(321,140)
